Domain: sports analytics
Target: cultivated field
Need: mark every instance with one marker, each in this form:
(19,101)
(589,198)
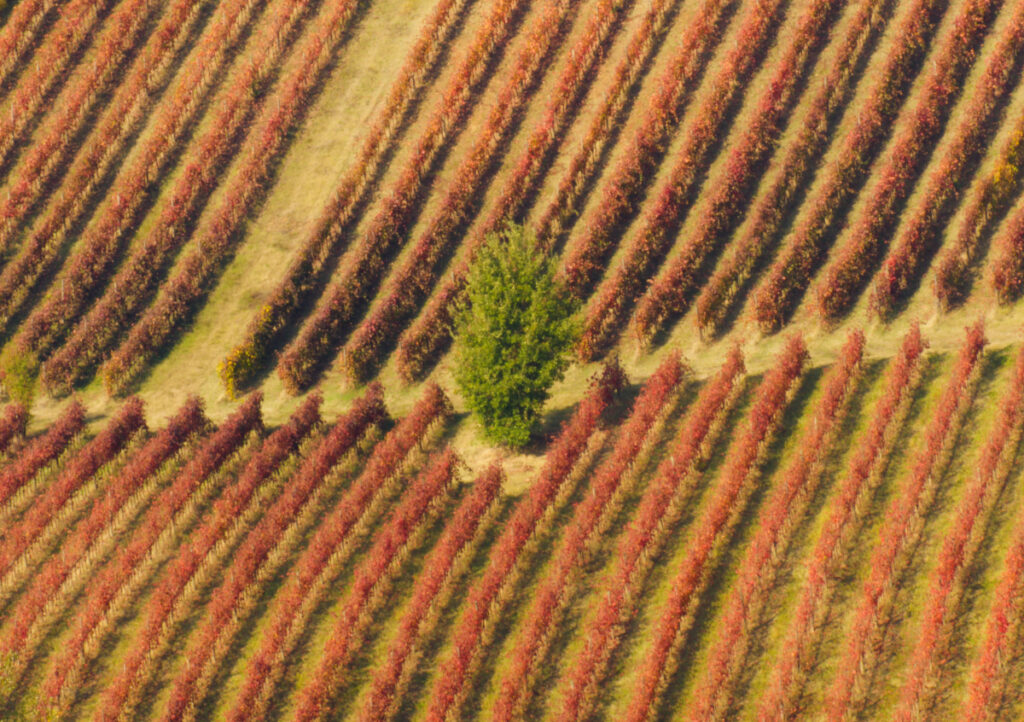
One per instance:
(781,481)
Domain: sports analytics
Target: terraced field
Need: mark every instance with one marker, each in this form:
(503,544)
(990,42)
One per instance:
(780,481)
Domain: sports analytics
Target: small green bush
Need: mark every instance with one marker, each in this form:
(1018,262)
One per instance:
(514,333)
(18,373)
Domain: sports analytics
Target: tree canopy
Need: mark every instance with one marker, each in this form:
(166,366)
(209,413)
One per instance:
(515,331)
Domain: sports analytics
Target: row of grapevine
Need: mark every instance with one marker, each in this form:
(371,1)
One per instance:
(41,451)
(305,273)
(12,425)
(787,503)
(902,522)
(621,193)
(859,247)
(425,339)
(300,362)
(721,205)
(107,233)
(48,587)
(135,284)
(797,158)
(51,62)
(412,282)
(863,474)
(656,512)
(709,123)
(1008,266)
(308,579)
(107,585)
(391,220)
(19,32)
(960,546)
(484,598)
(54,141)
(166,599)
(554,593)
(728,493)
(838,179)
(915,242)
(99,451)
(229,601)
(431,583)
(987,200)
(987,685)
(390,544)
(181,294)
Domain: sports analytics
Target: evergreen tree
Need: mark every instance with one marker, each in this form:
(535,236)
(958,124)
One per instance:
(514,334)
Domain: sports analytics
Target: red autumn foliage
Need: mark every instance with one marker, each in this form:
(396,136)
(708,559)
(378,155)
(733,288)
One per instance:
(53,140)
(702,131)
(861,245)
(305,274)
(644,533)
(182,569)
(411,283)
(427,337)
(871,456)
(738,473)
(788,500)
(430,583)
(621,194)
(840,178)
(52,59)
(259,542)
(104,587)
(552,595)
(1008,266)
(959,546)
(12,424)
(80,468)
(798,157)
(919,234)
(41,451)
(140,468)
(305,357)
(389,542)
(140,275)
(383,464)
(904,511)
(522,525)
(106,235)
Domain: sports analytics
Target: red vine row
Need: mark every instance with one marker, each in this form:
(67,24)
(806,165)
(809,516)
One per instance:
(435,577)
(860,246)
(418,274)
(960,545)
(104,588)
(427,337)
(734,482)
(251,555)
(482,603)
(552,596)
(182,570)
(902,518)
(305,356)
(643,536)
(788,501)
(306,271)
(864,471)
(389,545)
(306,579)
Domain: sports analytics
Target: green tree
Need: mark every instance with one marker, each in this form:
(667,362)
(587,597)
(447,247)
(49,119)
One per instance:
(514,334)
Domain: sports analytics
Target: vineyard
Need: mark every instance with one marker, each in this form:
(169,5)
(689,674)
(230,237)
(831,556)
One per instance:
(779,481)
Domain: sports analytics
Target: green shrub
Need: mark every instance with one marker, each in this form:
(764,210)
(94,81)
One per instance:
(514,334)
